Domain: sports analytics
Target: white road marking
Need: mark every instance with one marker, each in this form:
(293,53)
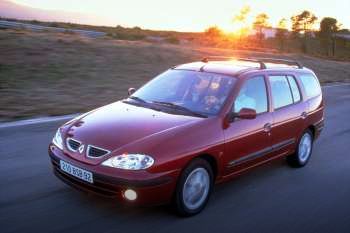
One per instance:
(39,120)
(336,85)
(67,117)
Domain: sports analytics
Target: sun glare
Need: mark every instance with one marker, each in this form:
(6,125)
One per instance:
(157,14)
(237,27)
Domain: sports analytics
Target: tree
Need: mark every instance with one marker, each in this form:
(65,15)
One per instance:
(213,35)
(213,32)
(303,23)
(261,22)
(242,16)
(241,19)
(328,27)
(282,32)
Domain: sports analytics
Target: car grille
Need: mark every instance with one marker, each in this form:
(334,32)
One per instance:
(73,144)
(91,152)
(96,152)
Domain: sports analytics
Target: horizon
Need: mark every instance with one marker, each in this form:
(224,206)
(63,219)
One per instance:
(187,16)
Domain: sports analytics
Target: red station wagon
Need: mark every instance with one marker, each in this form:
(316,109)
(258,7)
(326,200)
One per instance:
(189,128)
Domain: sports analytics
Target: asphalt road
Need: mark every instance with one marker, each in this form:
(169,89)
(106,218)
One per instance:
(271,198)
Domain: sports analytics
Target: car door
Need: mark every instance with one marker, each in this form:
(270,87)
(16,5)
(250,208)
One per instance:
(289,112)
(248,140)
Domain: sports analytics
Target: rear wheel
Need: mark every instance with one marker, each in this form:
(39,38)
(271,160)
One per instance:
(303,151)
(194,188)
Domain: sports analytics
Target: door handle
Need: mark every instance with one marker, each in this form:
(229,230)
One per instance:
(303,115)
(267,127)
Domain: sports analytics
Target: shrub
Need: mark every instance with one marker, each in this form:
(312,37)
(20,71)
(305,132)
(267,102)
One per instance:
(172,40)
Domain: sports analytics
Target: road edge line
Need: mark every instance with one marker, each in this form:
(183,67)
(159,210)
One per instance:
(38,120)
(336,85)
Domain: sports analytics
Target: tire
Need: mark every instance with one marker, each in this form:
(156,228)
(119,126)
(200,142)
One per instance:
(197,175)
(302,154)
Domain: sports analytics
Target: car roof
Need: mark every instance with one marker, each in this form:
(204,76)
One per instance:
(235,67)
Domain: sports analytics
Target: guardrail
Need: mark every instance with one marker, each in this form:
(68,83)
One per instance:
(33,27)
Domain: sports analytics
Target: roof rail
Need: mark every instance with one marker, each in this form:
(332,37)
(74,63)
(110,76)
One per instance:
(207,59)
(261,61)
(262,64)
(282,61)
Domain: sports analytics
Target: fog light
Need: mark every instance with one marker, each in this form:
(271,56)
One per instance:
(130,194)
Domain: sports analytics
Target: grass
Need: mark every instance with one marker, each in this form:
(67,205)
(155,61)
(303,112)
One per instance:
(311,46)
(46,74)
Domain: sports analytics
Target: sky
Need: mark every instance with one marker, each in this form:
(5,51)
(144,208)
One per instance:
(191,15)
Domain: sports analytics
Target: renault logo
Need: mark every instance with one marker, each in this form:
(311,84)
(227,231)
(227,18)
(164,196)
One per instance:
(81,149)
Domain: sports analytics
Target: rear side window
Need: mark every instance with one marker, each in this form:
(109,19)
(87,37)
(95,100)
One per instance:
(281,92)
(311,85)
(252,95)
(294,88)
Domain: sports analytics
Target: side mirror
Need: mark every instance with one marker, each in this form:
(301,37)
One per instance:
(131,90)
(244,113)
(247,113)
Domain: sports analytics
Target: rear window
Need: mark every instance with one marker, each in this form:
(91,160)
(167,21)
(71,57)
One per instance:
(311,85)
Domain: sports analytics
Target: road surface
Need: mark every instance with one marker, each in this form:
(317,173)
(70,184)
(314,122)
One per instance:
(271,198)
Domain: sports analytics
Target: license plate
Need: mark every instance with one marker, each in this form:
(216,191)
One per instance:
(77,172)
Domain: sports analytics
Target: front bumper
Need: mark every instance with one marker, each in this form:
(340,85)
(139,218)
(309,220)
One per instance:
(151,189)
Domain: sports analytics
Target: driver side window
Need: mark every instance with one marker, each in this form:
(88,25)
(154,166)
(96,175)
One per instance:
(252,95)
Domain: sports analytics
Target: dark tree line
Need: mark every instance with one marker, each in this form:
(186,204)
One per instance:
(328,29)
(303,28)
(303,32)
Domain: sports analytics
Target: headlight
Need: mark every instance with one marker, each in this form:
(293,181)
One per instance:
(129,161)
(57,139)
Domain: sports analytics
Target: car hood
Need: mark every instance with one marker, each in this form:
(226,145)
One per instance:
(119,124)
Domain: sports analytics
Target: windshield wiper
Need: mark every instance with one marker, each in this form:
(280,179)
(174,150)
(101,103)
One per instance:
(180,108)
(141,103)
(137,99)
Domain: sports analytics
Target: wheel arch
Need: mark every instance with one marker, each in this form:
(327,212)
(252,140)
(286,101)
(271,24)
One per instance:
(312,128)
(212,161)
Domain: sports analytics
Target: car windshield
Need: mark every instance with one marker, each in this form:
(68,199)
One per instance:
(199,92)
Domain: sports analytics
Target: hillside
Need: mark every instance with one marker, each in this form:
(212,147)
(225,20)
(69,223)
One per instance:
(9,9)
(45,73)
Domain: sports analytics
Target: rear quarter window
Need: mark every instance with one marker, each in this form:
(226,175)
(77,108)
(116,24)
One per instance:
(311,85)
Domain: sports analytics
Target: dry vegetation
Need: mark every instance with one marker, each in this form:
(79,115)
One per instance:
(53,74)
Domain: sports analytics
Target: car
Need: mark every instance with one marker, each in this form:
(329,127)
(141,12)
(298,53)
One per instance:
(191,127)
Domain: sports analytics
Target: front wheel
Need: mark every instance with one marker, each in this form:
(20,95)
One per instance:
(194,188)
(303,151)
